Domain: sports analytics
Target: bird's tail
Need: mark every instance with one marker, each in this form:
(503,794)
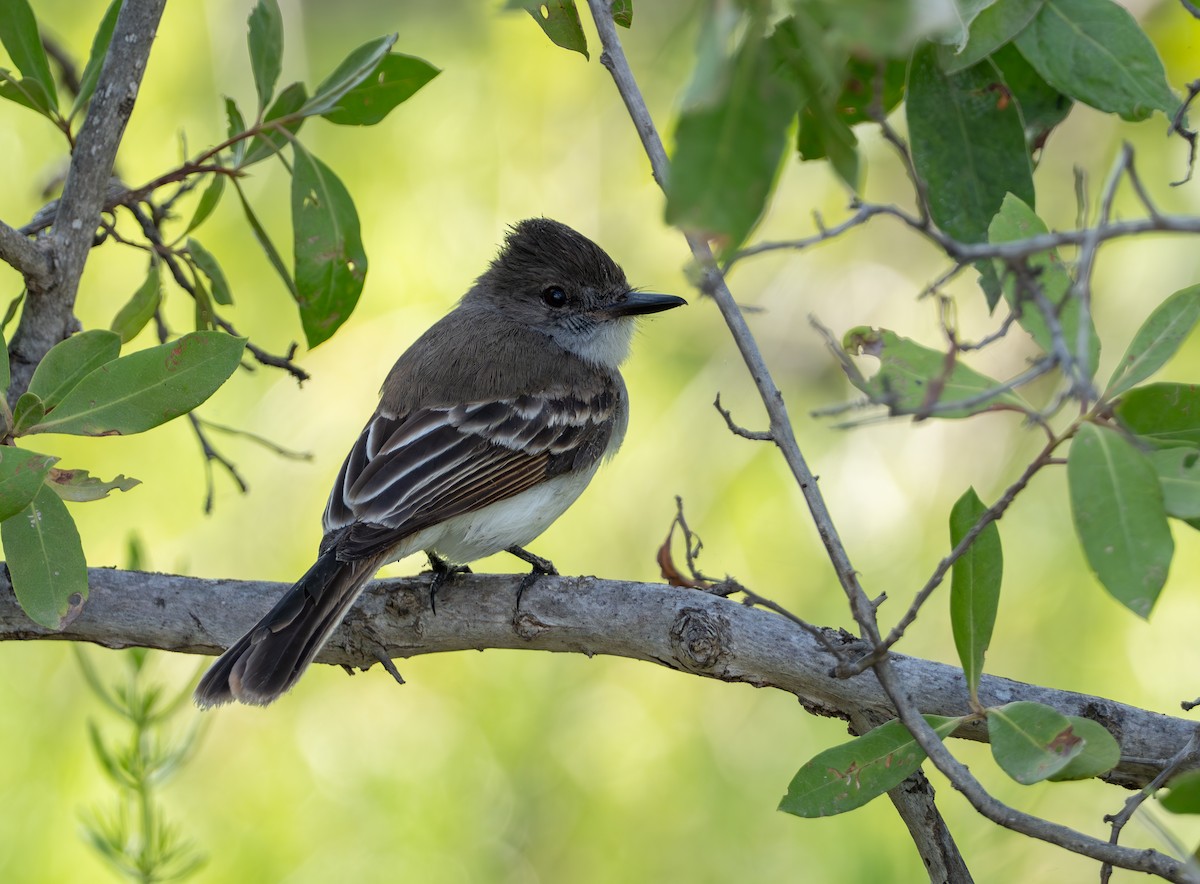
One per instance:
(269,659)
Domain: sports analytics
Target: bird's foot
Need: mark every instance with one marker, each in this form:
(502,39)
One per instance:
(443,573)
(541,567)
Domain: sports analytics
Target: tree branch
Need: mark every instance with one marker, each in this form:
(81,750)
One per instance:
(48,316)
(690,631)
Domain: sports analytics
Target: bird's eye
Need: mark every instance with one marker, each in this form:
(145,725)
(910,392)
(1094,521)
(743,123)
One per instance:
(554,297)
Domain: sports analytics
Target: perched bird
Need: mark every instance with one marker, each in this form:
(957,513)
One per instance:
(488,428)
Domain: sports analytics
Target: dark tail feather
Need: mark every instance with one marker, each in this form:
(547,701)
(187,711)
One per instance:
(269,659)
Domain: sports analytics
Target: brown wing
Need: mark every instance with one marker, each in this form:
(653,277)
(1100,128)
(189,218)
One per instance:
(408,472)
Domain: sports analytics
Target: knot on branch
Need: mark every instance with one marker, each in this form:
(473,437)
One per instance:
(700,639)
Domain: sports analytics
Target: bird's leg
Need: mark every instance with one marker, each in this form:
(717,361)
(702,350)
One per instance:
(443,573)
(541,567)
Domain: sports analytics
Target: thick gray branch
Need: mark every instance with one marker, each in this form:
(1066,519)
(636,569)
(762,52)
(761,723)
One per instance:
(24,255)
(49,314)
(687,630)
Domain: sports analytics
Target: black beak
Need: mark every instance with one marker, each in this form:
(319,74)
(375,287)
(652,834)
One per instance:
(640,303)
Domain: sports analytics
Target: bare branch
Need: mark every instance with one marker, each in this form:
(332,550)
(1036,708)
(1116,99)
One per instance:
(24,255)
(640,621)
(48,316)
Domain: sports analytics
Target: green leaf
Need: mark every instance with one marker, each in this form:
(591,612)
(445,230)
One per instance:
(206,262)
(19,34)
(1031,742)
(5,368)
(236,126)
(883,28)
(1179,475)
(22,473)
(1159,338)
(208,201)
(1117,505)
(285,114)
(45,559)
(968,144)
(622,12)
(70,361)
(1095,52)
(331,265)
(265,38)
(1100,754)
(139,310)
(354,69)
(910,374)
(559,19)
(27,412)
(1015,221)
(974,586)
(850,775)
(78,486)
(140,391)
(1184,794)
(816,73)
(27,93)
(866,89)
(992,28)
(264,240)
(1042,107)
(395,80)
(1163,415)
(728,149)
(91,71)
(205,315)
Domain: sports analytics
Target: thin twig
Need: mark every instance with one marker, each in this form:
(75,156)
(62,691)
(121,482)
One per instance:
(990,515)
(1184,756)
(738,430)
(1177,126)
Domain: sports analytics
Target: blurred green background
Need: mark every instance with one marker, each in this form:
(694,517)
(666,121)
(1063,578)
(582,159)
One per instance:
(521,767)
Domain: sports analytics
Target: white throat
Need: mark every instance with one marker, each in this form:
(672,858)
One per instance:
(605,344)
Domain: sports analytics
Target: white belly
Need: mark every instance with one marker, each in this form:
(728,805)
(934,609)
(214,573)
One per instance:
(512,522)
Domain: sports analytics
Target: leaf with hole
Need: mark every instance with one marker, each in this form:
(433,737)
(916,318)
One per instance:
(914,379)
(46,562)
(559,20)
(354,69)
(1030,741)
(145,389)
(330,263)
(850,775)
(975,580)
(79,486)
(397,79)
(1159,338)
(70,361)
(22,473)
(1117,506)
